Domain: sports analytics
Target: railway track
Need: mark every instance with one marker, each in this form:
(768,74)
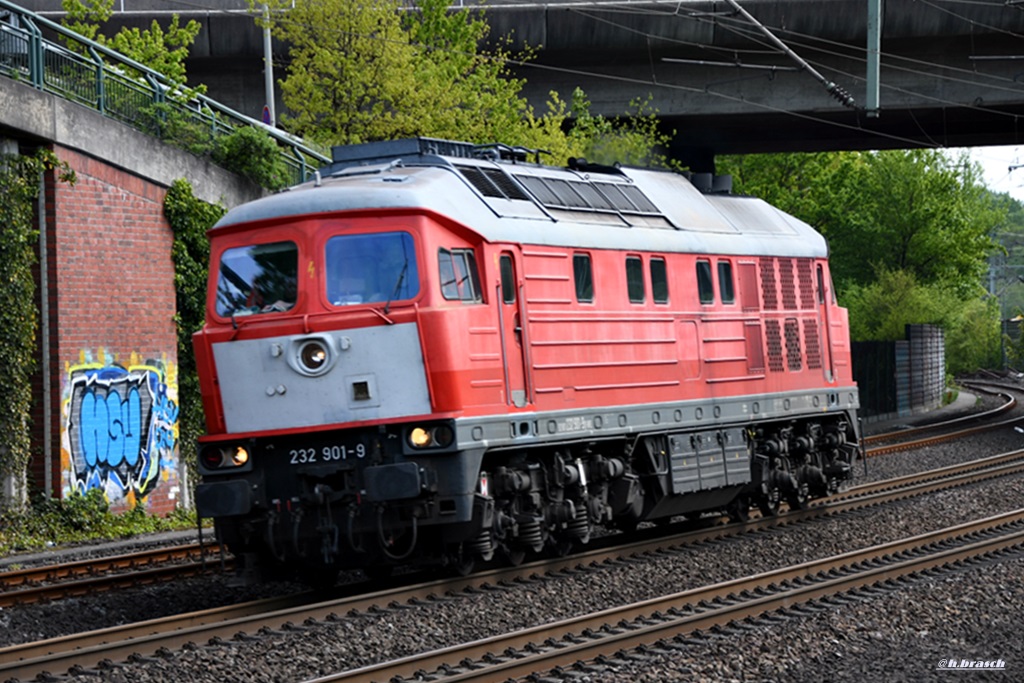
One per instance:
(81,577)
(908,439)
(656,622)
(28,660)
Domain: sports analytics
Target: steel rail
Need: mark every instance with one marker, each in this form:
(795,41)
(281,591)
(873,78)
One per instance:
(1009,404)
(30,659)
(51,582)
(566,642)
(94,565)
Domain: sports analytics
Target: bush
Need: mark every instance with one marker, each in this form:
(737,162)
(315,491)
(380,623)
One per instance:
(881,311)
(253,154)
(77,518)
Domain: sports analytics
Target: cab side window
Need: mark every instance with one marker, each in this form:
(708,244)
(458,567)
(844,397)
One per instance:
(705,286)
(459,278)
(725,285)
(635,279)
(583,276)
(659,280)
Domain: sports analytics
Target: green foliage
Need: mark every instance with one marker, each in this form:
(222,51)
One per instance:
(190,218)
(351,70)
(368,71)
(20,177)
(80,517)
(909,233)
(913,210)
(882,309)
(253,154)
(161,50)
(1006,276)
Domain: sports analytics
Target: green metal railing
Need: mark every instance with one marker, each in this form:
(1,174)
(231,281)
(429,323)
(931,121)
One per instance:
(86,72)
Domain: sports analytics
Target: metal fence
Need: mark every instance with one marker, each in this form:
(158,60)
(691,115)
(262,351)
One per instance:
(900,378)
(53,59)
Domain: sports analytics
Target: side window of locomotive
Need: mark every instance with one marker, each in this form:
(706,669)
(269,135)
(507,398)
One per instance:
(705,286)
(257,279)
(635,279)
(659,281)
(725,286)
(821,284)
(368,268)
(508,279)
(459,278)
(584,277)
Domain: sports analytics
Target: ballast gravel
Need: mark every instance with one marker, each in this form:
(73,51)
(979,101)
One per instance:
(971,615)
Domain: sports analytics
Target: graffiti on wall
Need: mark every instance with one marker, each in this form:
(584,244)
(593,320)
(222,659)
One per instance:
(120,427)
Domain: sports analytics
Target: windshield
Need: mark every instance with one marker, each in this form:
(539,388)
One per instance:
(378,267)
(257,279)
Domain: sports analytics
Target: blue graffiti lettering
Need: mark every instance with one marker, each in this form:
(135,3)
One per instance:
(121,428)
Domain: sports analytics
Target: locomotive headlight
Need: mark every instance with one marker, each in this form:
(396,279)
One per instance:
(432,436)
(240,457)
(420,438)
(313,355)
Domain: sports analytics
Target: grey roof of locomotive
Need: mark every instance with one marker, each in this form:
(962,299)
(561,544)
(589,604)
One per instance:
(668,214)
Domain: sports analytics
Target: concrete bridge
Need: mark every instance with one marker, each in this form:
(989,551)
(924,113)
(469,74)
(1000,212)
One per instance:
(951,74)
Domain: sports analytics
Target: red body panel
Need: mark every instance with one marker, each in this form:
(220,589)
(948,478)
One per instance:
(776,336)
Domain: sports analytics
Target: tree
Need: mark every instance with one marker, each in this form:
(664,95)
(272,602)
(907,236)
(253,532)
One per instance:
(366,71)
(909,233)
(913,210)
(351,75)
(160,50)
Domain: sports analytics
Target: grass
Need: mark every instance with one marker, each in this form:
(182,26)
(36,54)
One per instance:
(51,522)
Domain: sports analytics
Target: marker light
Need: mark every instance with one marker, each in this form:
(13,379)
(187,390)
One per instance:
(224,457)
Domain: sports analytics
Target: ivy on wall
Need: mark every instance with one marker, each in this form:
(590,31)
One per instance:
(19,316)
(189,218)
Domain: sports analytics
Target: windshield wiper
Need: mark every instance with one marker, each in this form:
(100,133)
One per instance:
(398,286)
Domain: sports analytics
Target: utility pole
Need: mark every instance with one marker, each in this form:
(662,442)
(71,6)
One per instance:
(874,56)
(269,115)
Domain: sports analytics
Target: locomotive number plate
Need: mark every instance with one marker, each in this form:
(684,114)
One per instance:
(326,453)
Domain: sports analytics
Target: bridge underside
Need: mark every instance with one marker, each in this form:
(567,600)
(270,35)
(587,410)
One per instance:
(950,76)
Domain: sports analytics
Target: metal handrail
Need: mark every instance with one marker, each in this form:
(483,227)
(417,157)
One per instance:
(121,88)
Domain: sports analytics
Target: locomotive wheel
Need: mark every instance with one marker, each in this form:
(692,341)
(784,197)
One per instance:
(798,497)
(561,547)
(463,566)
(768,503)
(739,509)
(514,556)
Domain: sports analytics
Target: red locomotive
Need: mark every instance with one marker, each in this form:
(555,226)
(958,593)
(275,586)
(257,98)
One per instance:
(439,352)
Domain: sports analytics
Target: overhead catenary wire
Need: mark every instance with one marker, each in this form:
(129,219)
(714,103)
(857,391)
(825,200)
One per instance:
(841,95)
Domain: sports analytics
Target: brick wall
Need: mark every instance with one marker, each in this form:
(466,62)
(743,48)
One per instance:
(112,339)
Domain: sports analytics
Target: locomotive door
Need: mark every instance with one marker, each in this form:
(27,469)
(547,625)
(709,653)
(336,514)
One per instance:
(824,299)
(513,335)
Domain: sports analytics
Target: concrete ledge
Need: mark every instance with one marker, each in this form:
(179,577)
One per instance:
(29,113)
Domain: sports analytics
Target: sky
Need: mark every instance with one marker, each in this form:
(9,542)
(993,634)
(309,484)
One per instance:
(995,162)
